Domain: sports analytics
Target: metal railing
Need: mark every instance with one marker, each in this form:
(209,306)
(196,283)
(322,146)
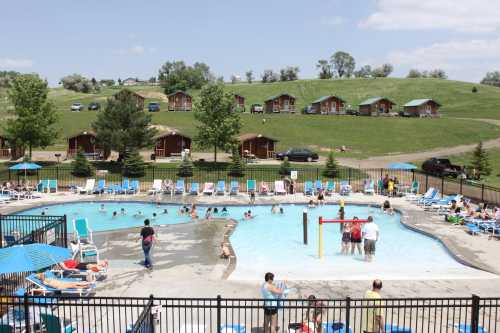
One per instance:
(222,315)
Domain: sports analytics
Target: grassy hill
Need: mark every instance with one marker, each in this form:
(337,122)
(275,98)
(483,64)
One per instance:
(364,136)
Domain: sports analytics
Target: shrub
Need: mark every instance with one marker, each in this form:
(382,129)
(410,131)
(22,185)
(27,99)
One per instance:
(474,89)
(285,167)
(331,167)
(237,167)
(133,165)
(186,168)
(81,166)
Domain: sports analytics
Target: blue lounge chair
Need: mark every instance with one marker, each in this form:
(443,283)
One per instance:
(233,328)
(135,186)
(126,186)
(330,187)
(251,185)
(234,187)
(221,188)
(43,186)
(415,187)
(431,194)
(195,189)
(308,188)
(81,230)
(101,186)
(345,188)
(54,324)
(53,185)
(179,187)
(369,187)
(335,327)
(6,328)
(390,328)
(42,288)
(472,228)
(318,186)
(465,328)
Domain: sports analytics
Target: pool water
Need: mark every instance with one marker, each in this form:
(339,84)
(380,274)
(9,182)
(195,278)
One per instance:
(274,242)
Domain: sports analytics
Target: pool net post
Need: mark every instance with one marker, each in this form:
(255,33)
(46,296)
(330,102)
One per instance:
(320,237)
(304,225)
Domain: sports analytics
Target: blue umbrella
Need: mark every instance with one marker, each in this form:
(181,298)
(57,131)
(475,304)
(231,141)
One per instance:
(31,257)
(402,166)
(25,166)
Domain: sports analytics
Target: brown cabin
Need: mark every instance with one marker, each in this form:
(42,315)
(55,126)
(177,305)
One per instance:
(257,145)
(283,103)
(171,143)
(8,150)
(375,106)
(421,108)
(86,142)
(139,99)
(328,105)
(180,101)
(240,102)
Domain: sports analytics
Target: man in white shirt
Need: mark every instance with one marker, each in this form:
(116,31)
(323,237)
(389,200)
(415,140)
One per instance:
(370,235)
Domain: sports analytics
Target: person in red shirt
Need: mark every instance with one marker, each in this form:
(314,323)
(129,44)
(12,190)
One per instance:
(73,265)
(356,237)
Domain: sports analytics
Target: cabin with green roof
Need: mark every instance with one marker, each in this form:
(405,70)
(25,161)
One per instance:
(180,101)
(425,107)
(376,106)
(328,105)
(8,150)
(283,103)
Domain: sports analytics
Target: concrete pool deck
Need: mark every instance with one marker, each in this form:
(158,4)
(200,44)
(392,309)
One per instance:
(187,264)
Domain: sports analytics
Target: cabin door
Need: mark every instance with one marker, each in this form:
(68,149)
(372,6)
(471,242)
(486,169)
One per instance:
(333,108)
(286,105)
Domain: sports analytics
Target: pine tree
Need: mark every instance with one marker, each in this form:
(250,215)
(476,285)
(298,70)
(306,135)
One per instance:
(237,167)
(331,167)
(480,161)
(285,167)
(133,165)
(186,168)
(81,166)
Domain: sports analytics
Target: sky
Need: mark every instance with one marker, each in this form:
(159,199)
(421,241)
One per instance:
(120,39)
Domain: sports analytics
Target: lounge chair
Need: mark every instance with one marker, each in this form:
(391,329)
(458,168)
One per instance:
(43,186)
(43,289)
(82,232)
(208,188)
(179,187)
(308,188)
(380,186)
(156,187)
(195,189)
(234,187)
(251,185)
(53,324)
(221,188)
(345,188)
(465,328)
(330,187)
(318,186)
(472,228)
(417,197)
(6,328)
(89,187)
(233,328)
(263,189)
(168,186)
(135,186)
(442,204)
(279,187)
(53,185)
(369,187)
(101,186)
(415,187)
(390,328)
(126,186)
(433,196)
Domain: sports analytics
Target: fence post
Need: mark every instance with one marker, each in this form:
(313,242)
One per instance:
(412,175)
(304,225)
(347,314)
(442,186)
(317,173)
(461,184)
(482,192)
(151,316)
(219,314)
(1,232)
(426,182)
(65,230)
(153,172)
(349,176)
(26,314)
(475,314)
(57,172)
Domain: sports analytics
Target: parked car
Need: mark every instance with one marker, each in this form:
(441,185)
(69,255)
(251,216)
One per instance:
(94,106)
(256,108)
(76,107)
(154,107)
(308,110)
(298,154)
(352,112)
(441,167)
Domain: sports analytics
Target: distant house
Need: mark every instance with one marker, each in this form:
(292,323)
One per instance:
(256,144)
(284,103)
(240,102)
(130,81)
(375,106)
(170,143)
(8,150)
(421,108)
(180,101)
(138,98)
(328,105)
(86,142)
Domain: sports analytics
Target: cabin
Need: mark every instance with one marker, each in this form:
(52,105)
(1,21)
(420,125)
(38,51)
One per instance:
(256,145)
(8,150)
(328,105)
(87,143)
(283,103)
(139,99)
(170,143)
(421,108)
(130,81)
(239,102)
(376,106)
(180,101)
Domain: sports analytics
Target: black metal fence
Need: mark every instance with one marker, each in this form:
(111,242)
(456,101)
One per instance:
(221,315)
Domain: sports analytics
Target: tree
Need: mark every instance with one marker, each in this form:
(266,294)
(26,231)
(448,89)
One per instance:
(438,74)
(492,79)
(383,71)
(107,82)
(122,126)
(33,124)
(289,73)
(413,74)
(177,75)
(78,83)
(185,168)
(152,80)
(285,167)
(474,89)
(480,161)
(343,63)
(218,124)
(325,69)
(331,168)
(269,76)
(249,76)
(133,165)
(364,72)
(7,77)
(234,79)
(81,166)
(120,82)
(237,167)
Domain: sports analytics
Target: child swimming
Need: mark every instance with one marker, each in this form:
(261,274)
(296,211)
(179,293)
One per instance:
(122,211)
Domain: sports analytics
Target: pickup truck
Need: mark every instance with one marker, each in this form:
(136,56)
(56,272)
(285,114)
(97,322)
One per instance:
(441,167)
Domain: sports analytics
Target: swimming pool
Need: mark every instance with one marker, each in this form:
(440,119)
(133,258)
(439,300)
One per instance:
(273,242)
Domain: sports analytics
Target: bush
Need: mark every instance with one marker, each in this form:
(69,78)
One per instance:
(186,168)
(237,167)
(81,166)
(285,167)
(474,89)
(331,167)
(133,165)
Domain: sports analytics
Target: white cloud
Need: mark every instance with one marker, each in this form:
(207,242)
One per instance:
(333,21)
(15,63)
(455,15)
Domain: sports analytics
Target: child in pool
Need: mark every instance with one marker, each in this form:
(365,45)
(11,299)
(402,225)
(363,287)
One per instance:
(224,212)
(102,209)
(122,211)
(115,214)
(154,216)
(165,211)
(138,214)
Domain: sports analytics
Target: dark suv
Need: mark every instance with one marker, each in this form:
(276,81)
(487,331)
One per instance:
(298,154)
(154,107)
(441,167)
